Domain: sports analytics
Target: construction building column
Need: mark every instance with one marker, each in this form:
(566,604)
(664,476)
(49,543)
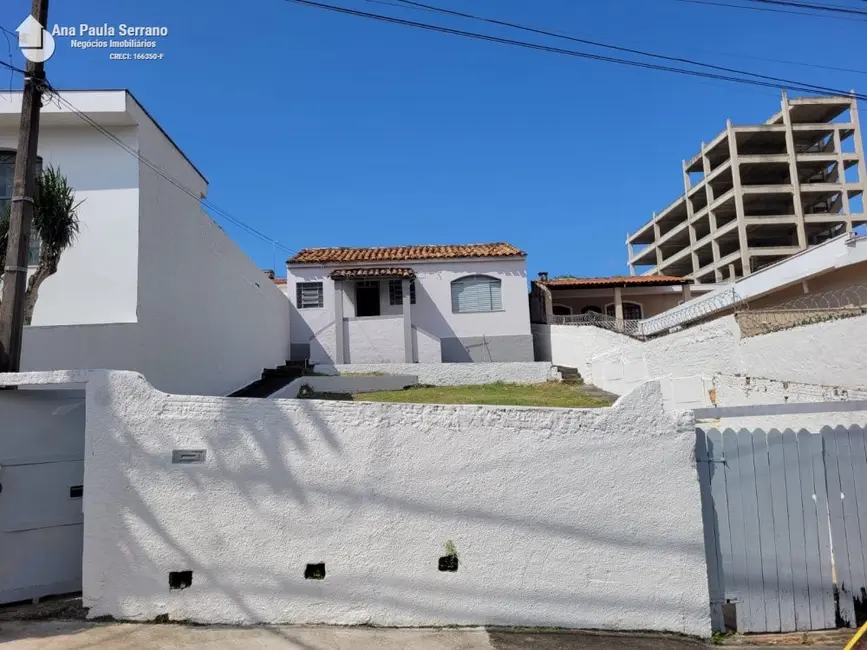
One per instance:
(739,201)
(859,151)
(687,185)
(792,155)
(841,178)
(656,236)
(631,252)
(711,216)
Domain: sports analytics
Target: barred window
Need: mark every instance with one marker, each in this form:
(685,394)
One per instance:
(308,295)
(395,292)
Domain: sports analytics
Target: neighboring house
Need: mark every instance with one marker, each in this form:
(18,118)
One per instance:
(426,304)
(619,297)
(152,283)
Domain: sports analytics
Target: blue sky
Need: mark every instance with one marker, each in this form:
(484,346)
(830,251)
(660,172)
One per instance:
(321,129)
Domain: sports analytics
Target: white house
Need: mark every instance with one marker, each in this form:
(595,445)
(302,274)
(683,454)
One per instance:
(426,304)
(152,284)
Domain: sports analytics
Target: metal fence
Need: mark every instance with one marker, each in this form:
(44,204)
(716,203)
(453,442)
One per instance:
(629,327)
(805,310)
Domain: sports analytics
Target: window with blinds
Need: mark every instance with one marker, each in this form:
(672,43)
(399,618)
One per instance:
(476,293)
(308,295)
(395,292)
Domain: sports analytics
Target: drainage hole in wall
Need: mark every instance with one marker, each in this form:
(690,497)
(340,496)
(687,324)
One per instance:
(180,579)
(315,572)
(76,491)
(448,563)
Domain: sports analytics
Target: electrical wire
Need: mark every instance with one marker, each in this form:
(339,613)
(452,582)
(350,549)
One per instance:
(797,86)
(814,7)
(772,10)
(55,95)
(609,46)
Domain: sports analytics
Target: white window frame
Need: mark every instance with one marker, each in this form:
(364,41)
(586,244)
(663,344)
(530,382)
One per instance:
(299,288)
(496,301)
(395,292)
(624,303)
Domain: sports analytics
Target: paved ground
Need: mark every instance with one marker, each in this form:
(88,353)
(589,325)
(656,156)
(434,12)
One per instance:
(80,635)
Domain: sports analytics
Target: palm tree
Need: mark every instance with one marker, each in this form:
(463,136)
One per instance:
(55,225)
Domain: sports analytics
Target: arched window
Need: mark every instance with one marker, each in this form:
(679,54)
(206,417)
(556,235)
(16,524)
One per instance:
(591,309)
(476,293)
(7,172)
(562,310)
(631,310)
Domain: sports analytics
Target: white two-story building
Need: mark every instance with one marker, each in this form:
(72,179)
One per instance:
(151,283)
(405,304)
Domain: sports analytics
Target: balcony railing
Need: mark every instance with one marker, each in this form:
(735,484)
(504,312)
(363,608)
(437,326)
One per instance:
(629,327)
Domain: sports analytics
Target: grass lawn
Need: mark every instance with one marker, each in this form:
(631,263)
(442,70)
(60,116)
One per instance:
(566,395)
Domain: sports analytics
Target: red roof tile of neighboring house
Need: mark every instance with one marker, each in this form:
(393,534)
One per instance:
(387,272)
(279,280)
(403,253)
(614,281)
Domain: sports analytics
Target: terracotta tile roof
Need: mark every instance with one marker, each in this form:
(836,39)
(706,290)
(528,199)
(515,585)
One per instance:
(279,280)
(403,253)
(384,272)
(615,281)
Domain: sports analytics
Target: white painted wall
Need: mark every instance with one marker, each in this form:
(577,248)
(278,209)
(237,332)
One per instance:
(560,517)
(433,309)
(455,374)
(215,317)
(152,284)
(97,277)
(375,340)
(829,354)
(426,347)
(366,384)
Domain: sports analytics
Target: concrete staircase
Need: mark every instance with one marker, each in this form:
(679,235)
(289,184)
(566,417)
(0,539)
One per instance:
(272,380)
(572,376)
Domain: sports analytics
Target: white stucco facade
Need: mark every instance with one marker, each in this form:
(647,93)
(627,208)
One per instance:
(152,283)
(439,334)
(822,361)
(560,517)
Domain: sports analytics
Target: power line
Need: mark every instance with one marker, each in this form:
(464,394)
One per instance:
(618,48)
(815,7)
(797,86)
(56,96)
(772,10)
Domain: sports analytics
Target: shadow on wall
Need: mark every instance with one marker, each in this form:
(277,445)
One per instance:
(272,498)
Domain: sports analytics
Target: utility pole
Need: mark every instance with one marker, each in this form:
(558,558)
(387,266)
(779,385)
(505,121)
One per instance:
(23,188)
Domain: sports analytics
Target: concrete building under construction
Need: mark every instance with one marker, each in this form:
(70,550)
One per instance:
(756,194)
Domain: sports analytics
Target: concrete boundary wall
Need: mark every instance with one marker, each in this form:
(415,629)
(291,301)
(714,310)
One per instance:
(455,374)
(368,384)
(559,517)
(827,356)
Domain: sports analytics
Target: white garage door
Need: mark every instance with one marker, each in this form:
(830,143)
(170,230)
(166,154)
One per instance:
(41,487)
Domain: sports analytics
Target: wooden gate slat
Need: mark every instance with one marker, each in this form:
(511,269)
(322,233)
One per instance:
(839,550)
(749,502)
(811,531)
(777,467)
(826,596)
(704,463)
(858,467)
(720,499)
(770,583)
(738,572)
(794,502)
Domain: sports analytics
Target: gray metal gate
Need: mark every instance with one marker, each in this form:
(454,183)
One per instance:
(41,487)
(785,517)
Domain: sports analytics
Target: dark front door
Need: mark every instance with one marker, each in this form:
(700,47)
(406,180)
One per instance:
(367,298)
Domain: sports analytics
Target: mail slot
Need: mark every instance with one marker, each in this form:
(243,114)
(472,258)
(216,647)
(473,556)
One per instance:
(188,456)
